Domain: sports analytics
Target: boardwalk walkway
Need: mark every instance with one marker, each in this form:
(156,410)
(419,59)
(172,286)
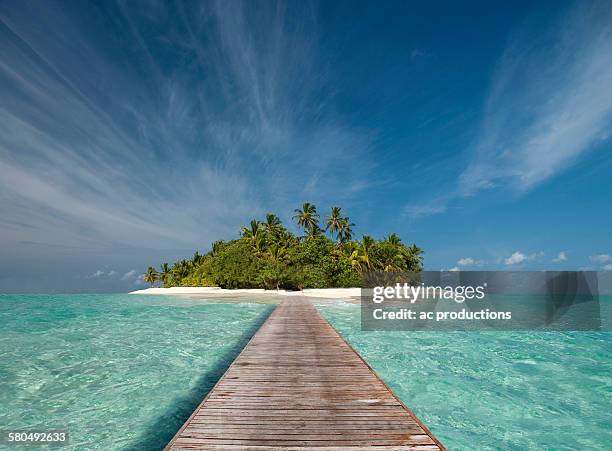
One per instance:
(298,385)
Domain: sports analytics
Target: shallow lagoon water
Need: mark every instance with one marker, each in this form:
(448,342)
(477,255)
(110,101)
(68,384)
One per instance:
(124,372)
(494,390)
(117,371)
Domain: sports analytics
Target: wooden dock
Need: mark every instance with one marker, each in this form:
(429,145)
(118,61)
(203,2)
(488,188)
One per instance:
(298,385)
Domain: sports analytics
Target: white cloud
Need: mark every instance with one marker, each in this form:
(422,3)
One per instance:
(562,257)
(99,273)
(116,162)
(454,269)
(518,257)
(469,261)
(515,258)
(550,102)
(129,275)
(601,258)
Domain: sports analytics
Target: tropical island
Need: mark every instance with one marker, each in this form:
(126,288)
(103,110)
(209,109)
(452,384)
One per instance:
(269,256)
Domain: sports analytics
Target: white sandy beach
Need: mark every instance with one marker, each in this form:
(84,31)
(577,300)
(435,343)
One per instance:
(212,292)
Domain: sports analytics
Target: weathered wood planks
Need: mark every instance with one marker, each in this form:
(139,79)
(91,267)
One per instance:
(298,385)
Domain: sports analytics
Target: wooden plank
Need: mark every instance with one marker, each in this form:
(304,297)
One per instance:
(298,385)
(302,448)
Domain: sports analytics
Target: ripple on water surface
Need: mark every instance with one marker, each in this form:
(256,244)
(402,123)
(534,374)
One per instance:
(117,371)
(494,390)
(124,372)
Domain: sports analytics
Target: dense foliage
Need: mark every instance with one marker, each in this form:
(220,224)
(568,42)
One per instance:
(267,255)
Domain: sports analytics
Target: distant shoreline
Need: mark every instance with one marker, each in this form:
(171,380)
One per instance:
(320,293)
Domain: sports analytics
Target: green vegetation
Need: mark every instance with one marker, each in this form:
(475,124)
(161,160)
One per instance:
(267,255)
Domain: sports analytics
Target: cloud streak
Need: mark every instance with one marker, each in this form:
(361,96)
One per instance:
(549,103)
(180,153)
(469,261)
(601,258)
(129,275)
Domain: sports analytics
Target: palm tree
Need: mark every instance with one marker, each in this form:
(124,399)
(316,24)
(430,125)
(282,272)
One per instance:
(196,258)
(415,257)
(181,269)
(394,239)
(365,250)
(165,273)
(345,232)
(277,252)
(390,258)
(252,232)
(272,225)
(359,253)
(416,251)
(151,275)
(216,247)
(315,231)
(355,260)
(285,238)
(332,222)
(308,219)
(259,244)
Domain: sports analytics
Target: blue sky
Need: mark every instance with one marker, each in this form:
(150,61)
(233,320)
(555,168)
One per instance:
(134,133)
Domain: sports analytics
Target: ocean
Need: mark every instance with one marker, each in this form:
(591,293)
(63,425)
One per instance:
(125,371)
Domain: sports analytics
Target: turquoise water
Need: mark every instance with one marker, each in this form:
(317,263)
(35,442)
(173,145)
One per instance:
(117,371)
(124,372)
(495,390)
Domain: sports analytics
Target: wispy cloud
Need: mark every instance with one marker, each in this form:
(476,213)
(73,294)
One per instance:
(420,211)
(173,158)
(469,261)
(99,273)
(129,275)
(601,258)
(549,103)
(420,53)
(600,262)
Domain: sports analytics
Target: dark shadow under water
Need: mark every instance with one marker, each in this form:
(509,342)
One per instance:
(161,431)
